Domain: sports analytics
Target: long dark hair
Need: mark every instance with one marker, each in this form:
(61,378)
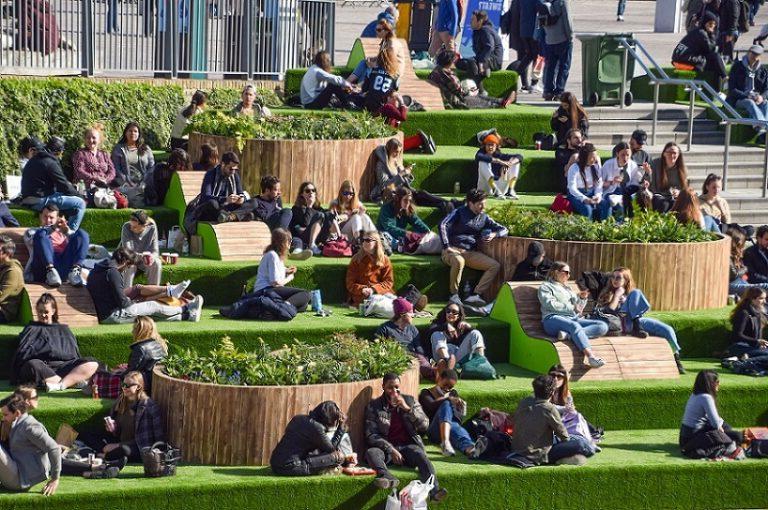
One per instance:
(686,207)
(706,382)
(209,156)
(745,303)
(48,299)
(738,240)
(709,180)
(280,244)
(300,200)
(199,98)
(397,199)
(575,111)
(441,320)
(679,167)
(561,395)
(141,145)
(179,161)
(583,162)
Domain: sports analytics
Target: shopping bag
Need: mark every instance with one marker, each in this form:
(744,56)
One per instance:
(415,495)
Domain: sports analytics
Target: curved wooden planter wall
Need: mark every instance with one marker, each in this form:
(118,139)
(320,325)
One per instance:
(240,425)
(674,276)
(325,162)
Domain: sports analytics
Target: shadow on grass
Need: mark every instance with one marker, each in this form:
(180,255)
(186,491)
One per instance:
(669,449)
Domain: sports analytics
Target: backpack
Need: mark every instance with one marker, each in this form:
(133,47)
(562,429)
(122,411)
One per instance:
(743,24)
(544,13)
(758,449)
(337,248)
(477,367)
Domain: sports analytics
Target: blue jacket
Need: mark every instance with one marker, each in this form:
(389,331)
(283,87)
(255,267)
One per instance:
(742,81)
(448,17)
(217,187)
(486,43)
(528,17)
(462,228)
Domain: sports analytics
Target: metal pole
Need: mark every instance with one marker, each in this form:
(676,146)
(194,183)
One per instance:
(765,171)
(87,27)
(623,90)
(248,38)
(690,117)
(655,112)
(726,154)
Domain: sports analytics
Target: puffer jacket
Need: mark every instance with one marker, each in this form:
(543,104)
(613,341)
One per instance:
(144,356)
(378,417)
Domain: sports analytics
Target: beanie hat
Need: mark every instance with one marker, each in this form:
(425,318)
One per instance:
(492,138)
(401,306)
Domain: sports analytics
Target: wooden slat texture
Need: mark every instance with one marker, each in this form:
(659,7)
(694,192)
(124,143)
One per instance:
(75,303)
(242,241)
(325,162)
(673,276)
(625,357)
(410,84)
(17,235)
(240,425)
(191,184)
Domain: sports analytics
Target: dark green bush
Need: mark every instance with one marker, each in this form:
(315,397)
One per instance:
(645,227)
(343,359)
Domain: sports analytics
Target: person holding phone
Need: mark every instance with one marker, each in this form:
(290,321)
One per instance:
(393,426)
(668,177)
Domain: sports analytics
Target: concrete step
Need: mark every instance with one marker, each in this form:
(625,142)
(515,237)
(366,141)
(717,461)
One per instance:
(644,112)
(745,182)
(607,140)
(735,168)
(713,153)
(663,126)
(755,217)
(746,200)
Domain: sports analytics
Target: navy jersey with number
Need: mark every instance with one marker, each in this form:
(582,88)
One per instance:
(378,88)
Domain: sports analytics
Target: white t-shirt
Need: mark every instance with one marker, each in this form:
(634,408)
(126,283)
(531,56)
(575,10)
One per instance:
(611,170)
(271,269)
(576,183)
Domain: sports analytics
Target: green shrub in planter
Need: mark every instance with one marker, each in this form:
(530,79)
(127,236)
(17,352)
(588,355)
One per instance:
(645,227)
(336,126)
(344,358)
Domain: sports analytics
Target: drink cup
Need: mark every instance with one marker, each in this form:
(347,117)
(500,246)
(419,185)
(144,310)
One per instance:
(147,258)
(174,258)
(166,256)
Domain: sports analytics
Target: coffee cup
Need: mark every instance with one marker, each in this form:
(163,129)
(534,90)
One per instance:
(174,258)
(147,258)
(166,256)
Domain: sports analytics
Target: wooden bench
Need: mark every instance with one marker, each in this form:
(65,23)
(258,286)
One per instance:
(17,235)
(221,241)
(410,84)
(626,357)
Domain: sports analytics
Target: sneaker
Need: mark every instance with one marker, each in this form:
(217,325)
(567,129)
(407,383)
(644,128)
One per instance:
(102,474)
(538,88)
(596,362)
(439,495)
(619,18)
(480,446)
(512,195)
(316,250)
(81,385)
(52,278)
(75,277)
(296,251)
(223,217)
(447,450)
(475,300)
(427,143)
(573,460)
(53,387)
(386,482)
(302,255)
(226,311)
(562,336)
(195,308)
(177,290)
(738,454)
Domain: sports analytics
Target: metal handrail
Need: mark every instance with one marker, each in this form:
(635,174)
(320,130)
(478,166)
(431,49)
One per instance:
(697,88)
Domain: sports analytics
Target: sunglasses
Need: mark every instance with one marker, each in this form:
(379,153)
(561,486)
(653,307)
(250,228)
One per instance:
(566,271)
(369,240)
(451,311)
(126,385)
(617,277)
(309,191)
(348,193)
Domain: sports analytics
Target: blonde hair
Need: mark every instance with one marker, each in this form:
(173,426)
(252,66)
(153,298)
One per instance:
(122,404)
(387,59)
(144,328)
(354,202)
(378,257)
(97,127)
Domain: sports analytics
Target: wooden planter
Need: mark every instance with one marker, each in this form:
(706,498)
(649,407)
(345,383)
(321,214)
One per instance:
(327,163)
(674,276)
(241,425)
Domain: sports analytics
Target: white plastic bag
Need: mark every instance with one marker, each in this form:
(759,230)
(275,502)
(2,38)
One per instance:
(430,244)
(379,305)
(415,495)
(176,238)
(393,501)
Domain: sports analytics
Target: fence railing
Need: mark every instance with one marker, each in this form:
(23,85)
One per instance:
(199,38)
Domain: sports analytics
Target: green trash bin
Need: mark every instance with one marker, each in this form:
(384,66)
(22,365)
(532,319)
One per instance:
(602,68)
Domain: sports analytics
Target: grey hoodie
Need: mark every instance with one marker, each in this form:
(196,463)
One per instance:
(562,30)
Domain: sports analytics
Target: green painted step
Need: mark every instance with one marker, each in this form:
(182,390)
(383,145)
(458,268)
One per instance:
(635,470)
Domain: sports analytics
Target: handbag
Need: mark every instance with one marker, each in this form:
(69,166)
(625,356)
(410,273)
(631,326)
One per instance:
(160,459)
(411,294)
(561,204)
(415,495)
(612,320)
(393,501)
(337,248)
(477,367)
(429,244)
(103,198)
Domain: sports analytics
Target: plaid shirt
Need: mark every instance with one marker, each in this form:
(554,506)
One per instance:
(148,422)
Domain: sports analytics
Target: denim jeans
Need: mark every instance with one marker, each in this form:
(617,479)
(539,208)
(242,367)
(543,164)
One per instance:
(636,306)
(471,342)
(739,286)
(72,207)
(576,445)
(711,224)
(557,65)
(580,330)
(596,212)
(154,309)
(459,437)
(754,110)
(620,9)
(43,255)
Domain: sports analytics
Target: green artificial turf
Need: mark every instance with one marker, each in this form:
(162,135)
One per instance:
(643,90)
(635,470)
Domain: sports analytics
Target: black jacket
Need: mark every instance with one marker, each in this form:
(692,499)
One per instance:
(594,281)
(378,417)
(106,288)
(147,422)
(303,435)
(526,271)
(729,15)
(46,342)
(756,260)
(746,327)
(144,356)
(486,43)
(561,128)
(43,176)
(695,47)
(738,78)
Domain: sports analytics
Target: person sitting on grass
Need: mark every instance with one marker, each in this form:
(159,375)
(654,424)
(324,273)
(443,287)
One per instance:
(370,271)
(139,234)
(747,322)
(28,147)
(756,257)
(268,206)
(48,355)
(400,328)
(117,304)
(55,249)
(305,448)
(445,410)
(497,172)
(569,115)
(132,158)
(43,183)
(452,338)
(380,89)
(738,274)
(221,196)
(394,423)
(349,212)
(397,215)
(565,156)
(537,421)
(32,456)
(534,267)
(248,105)
(703,433)
(574,421)
(487,48)
(321,88)
(585,186)
(11,281)
(717,213)
(687,210)
(311,225)
(148,348)
(561,313)
(157,182)
(617,295)
(91,164)
(444,77)
(461,232)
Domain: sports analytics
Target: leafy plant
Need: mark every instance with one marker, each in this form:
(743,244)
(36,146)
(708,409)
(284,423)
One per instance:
(334,126)
(645,227)
(344,358)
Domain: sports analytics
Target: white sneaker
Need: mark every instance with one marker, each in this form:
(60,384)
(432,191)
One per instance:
(447,449)
(296,251)
(475,300)
(195,308)
(300,255)
(52,278)
(53,387)
(596,362)
(562,336)
(480,446)
(538,88)
(177,290)
(619,18)
(75,277)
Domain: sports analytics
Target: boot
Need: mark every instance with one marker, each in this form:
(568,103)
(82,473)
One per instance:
(637,330)
(680,368)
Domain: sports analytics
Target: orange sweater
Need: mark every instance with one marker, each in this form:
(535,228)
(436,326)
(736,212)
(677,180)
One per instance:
(364,274)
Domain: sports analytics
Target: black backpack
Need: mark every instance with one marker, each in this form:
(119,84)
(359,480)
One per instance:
(544,13)
(758,448)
